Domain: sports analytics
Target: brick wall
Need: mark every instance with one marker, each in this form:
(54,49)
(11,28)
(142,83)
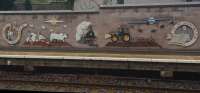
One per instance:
(142,27)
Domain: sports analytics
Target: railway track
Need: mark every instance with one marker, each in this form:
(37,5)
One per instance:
(58,87)
(92,83)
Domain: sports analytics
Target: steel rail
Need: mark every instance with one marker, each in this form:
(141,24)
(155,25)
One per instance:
(25,78)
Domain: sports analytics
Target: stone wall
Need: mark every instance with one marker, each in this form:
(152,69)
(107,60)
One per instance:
(112,28)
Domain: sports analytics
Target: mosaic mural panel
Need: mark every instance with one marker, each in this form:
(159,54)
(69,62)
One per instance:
(101,30)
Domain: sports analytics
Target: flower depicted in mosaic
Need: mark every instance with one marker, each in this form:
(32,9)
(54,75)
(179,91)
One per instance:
(12,33)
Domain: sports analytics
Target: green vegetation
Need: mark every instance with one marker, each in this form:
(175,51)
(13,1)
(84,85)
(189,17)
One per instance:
(120,1)
(41,1)
(6,5)
(33,1)
(69,4)
(28,5)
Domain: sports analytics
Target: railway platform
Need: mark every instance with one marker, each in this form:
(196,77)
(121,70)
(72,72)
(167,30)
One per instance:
(90,72)
(100,60)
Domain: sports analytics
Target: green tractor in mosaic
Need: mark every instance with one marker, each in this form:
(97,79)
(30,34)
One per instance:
(121,35)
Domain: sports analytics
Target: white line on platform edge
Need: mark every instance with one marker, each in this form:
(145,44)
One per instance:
(101,58)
